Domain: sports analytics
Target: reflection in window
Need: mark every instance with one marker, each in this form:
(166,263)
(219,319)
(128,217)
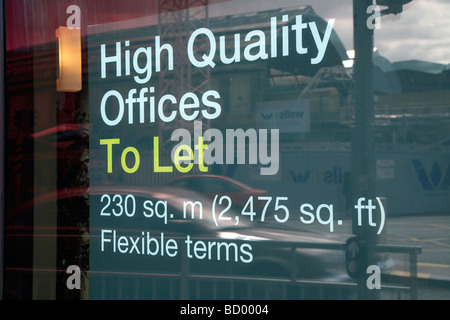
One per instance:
(50,162)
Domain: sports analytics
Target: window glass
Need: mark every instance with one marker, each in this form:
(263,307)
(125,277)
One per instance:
(226,149)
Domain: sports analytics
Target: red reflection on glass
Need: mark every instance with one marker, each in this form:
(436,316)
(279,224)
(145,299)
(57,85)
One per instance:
(32,22)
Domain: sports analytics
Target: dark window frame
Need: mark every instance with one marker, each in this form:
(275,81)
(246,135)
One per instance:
(2,135)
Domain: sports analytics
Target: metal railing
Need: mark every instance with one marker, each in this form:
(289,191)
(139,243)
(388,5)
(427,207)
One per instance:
(187,285)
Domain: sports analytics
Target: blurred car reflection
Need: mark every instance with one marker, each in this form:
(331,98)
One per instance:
(268,245)
(212,185)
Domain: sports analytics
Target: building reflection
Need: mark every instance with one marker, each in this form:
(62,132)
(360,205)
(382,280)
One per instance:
(311,104)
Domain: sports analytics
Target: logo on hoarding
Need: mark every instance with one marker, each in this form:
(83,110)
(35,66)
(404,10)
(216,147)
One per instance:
(434,178)
(287,115)
(300,177)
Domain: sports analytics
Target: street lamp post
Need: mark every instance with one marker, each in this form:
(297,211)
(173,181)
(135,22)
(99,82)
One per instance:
(363,155)
(363,149)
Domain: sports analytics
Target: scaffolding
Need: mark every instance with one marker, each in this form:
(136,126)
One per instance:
(177,19)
